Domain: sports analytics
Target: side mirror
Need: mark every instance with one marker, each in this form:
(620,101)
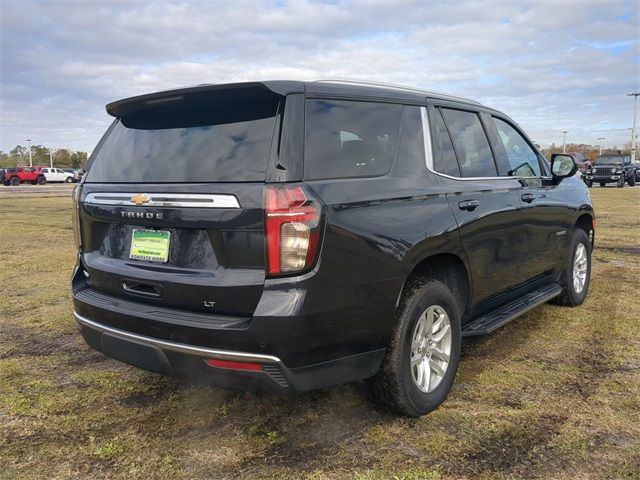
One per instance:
(562,166)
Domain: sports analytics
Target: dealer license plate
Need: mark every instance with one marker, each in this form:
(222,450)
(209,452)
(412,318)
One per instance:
(150,245)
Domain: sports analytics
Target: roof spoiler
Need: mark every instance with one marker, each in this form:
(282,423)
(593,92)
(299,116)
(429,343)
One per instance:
(202,93)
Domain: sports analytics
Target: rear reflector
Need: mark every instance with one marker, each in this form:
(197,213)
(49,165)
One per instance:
(214,362)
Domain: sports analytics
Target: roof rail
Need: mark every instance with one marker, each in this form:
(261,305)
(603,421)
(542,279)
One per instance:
(391,86)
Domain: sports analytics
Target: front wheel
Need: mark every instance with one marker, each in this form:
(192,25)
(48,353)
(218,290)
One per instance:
(41,180)
(69,180)
(577,274)
(632,181)
(422,358)
(621,182)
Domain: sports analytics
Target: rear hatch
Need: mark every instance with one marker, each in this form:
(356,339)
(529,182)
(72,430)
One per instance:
(171,208)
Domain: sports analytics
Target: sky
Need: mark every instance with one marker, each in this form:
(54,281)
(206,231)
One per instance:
(550,65)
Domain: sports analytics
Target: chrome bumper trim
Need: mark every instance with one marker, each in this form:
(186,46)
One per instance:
(179,347)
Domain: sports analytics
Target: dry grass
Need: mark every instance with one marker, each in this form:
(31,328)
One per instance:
(555,394)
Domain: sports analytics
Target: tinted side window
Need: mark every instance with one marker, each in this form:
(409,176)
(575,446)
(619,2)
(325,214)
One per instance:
(444,157)
(349,139)
(410,151)
(522,158)
(471,144)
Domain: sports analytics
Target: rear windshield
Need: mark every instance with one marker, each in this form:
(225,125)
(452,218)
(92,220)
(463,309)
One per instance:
(225,142)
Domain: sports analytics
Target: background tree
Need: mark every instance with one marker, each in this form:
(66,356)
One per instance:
(62,157)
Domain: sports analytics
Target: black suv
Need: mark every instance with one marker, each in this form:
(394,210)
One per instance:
(292,235)
(616,169)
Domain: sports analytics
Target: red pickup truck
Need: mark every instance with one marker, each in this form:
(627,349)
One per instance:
(17,175)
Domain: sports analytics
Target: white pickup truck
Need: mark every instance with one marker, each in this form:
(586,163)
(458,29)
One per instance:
(58,175)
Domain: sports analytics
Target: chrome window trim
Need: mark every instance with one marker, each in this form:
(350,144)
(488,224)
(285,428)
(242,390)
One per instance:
(428,154)
(178,347)
(182,200)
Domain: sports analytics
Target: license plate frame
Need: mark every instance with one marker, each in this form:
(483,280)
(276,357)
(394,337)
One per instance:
(150,245)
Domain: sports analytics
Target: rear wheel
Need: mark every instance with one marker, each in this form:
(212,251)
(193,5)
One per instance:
(621,182)
(15,181)
(632,181)
(422,358)
(577,274)
(41,180)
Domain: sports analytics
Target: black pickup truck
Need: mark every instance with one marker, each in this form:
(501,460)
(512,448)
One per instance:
(616,169)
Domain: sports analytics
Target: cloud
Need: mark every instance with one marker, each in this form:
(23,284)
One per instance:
(550,65)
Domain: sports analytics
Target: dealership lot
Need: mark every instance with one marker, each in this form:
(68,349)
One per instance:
(554,394)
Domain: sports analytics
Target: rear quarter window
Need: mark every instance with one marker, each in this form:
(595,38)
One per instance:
(346,139)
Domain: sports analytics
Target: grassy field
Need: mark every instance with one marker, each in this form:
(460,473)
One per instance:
(554,394)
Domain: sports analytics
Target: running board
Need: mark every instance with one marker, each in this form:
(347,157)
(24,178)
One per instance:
(493,320)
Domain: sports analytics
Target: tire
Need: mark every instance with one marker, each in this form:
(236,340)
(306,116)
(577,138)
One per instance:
(589,183)
(602,184)
(14,182)
(68,180)
(395,384)
(620,183)
(41,180)
(570,296)
(632,181)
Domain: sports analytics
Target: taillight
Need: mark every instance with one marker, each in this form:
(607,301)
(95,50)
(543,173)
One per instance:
(292,229)
(75,216)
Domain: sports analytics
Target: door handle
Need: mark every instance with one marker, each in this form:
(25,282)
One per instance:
(469,205)
(528,197)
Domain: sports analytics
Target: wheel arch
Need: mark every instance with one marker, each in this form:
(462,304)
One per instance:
(586,222)
(447,268)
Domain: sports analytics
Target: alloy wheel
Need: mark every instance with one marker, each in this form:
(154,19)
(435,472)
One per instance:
(579,268)
(430,348)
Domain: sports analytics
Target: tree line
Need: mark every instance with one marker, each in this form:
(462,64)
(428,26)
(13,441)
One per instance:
(591,152)
(62,157)
(67,158)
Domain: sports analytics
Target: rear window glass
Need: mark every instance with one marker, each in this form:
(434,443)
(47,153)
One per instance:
(226,142)
(470,142)
(444,157)
(349,139)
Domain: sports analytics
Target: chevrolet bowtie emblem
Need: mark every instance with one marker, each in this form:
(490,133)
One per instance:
(140,199)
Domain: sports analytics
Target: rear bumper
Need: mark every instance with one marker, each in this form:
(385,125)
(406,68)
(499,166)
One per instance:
(190,362)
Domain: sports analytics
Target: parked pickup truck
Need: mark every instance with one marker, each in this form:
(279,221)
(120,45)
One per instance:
(581,161)
(58,175)
(611,169)
(17,175)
